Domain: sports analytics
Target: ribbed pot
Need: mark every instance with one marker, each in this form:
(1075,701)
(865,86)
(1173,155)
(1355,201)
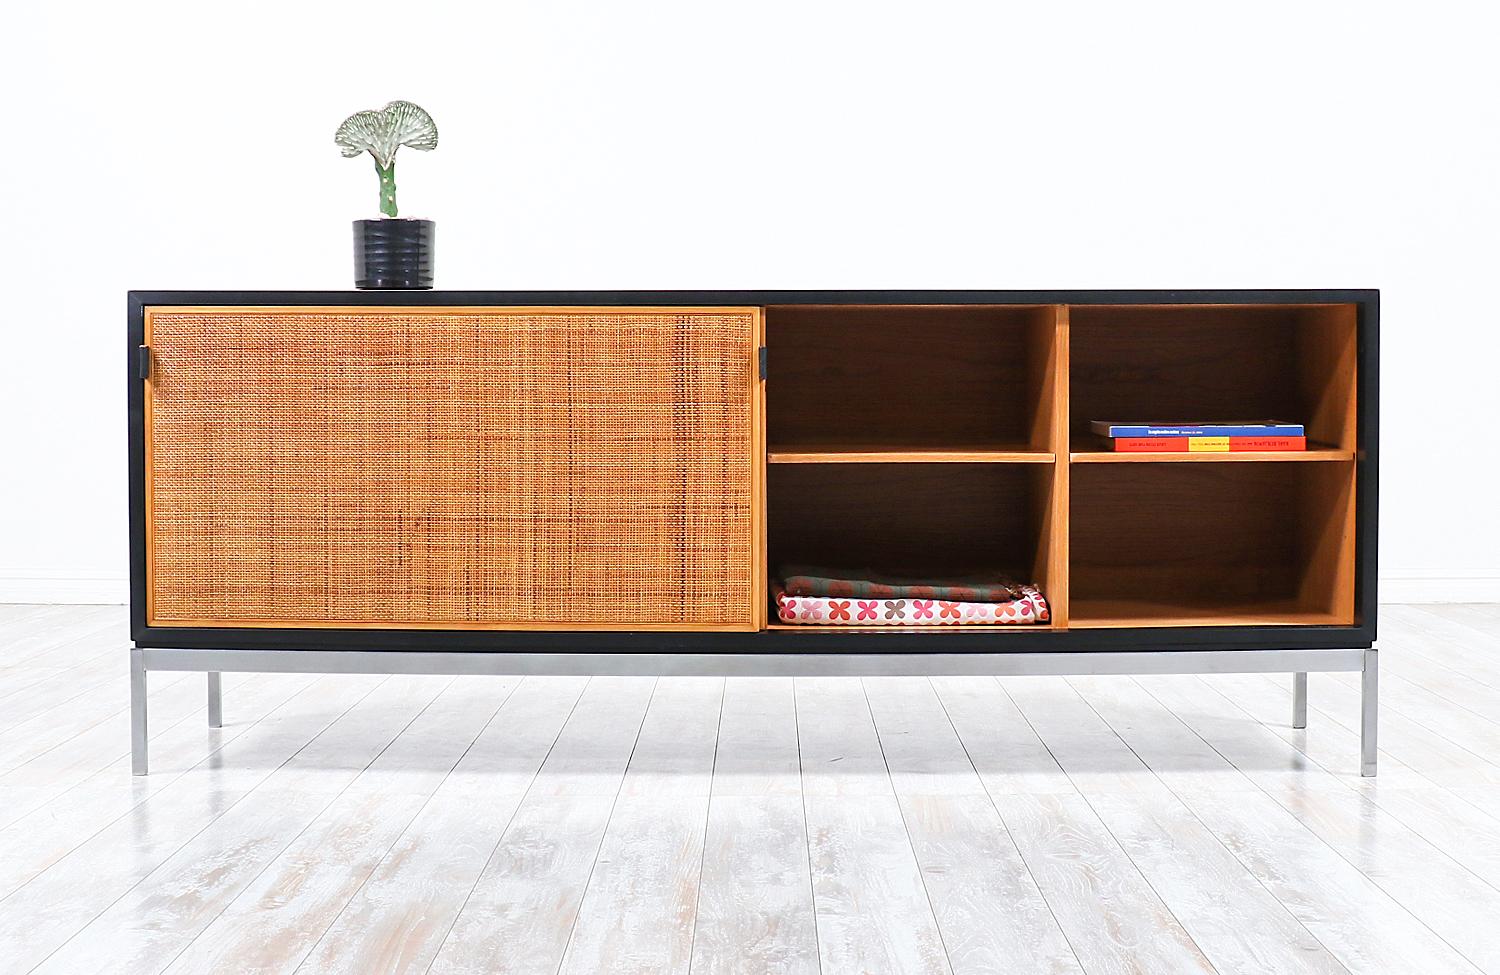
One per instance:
(393,254)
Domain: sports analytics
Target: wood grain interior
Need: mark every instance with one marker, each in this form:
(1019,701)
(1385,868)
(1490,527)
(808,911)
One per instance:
(1111,544)
(1206,544)
(867,453)
(913,519)
(1051,506)
(910,376)
(1187,362)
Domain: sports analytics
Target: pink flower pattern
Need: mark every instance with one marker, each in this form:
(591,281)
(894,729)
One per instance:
(1030,608)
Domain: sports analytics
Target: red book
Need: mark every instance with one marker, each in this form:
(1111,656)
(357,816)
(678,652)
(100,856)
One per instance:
(1184,445)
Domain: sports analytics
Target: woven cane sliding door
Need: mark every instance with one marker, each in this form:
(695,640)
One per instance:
(455,468)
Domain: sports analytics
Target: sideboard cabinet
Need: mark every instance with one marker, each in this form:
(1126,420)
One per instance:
(606,482)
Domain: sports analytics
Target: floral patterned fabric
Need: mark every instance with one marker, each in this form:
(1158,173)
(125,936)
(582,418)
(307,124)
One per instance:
(854,611)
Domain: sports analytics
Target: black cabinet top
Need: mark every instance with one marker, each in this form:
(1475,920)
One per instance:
(1293,296)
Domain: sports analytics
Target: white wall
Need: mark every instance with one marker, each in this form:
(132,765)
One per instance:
(769,144)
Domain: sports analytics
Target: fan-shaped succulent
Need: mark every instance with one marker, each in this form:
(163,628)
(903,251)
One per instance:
(381,132)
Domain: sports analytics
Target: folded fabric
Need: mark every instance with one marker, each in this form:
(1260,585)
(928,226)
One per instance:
(806,581)
(1031,607)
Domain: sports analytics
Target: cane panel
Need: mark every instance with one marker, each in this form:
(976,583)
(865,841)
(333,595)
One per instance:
(454,468)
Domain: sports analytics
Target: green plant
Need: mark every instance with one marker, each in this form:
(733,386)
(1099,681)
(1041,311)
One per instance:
(380,133)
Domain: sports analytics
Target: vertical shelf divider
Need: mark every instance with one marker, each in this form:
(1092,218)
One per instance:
(760,567)
(1052,430)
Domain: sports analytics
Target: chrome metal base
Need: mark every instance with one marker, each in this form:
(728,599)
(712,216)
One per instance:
(1369,692)
(214,662)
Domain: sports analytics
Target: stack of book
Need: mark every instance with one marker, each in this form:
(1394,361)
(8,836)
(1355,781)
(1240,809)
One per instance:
(1177,436)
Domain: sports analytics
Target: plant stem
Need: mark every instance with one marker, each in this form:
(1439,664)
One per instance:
(387,188)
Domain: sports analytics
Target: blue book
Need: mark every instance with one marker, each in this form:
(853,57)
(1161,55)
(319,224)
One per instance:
(1192,428)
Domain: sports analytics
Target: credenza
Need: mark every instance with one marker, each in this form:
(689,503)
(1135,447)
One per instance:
(605,482)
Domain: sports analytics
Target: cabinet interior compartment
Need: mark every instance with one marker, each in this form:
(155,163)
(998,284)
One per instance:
(1209,362)
(919,378)
(920,520)
(1207,544)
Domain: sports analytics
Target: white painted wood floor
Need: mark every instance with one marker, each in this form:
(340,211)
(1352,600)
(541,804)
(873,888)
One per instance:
(632,825)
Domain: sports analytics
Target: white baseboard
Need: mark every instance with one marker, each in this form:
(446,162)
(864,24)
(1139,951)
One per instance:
(1396,586)
(63,586)
(1440,586)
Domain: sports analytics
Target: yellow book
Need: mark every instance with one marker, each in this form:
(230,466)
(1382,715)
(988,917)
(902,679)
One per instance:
(1208,445)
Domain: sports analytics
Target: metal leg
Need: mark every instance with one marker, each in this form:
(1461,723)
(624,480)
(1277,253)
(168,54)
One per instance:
(137,711)
(1299,700)
(1369,705)
(215,701)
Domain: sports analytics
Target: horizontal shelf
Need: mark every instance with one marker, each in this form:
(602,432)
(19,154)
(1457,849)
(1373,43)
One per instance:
(1097,614)
(908,454)
(1096,455)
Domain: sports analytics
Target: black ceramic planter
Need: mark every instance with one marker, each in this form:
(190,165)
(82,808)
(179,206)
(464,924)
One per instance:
(393,254)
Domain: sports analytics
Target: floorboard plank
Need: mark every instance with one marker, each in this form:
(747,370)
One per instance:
(1356,833)
(1114,920)
(1425,632)
(1458,725)
(59,822)
(638,910)
(78,663)
(1362,926)
(1415,746)
(839,752)
(520,915)
(280,915)
(57,703)
(38,917)
(758,739)
(922,751)
(76,758)
(871,906)
(987,906)
(1330,742)
(146,927)
(1009,758)
(1239,924)
(31,640)
(12,614)
(755,909)
(1152,916)
(1366,929)
(397,920)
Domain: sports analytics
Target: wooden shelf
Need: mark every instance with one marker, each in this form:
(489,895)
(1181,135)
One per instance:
(1285,361)
(972,446)
(1085,452)
(1212,545)
(912,379)
(908,454)
(1102,613)
(915,520)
